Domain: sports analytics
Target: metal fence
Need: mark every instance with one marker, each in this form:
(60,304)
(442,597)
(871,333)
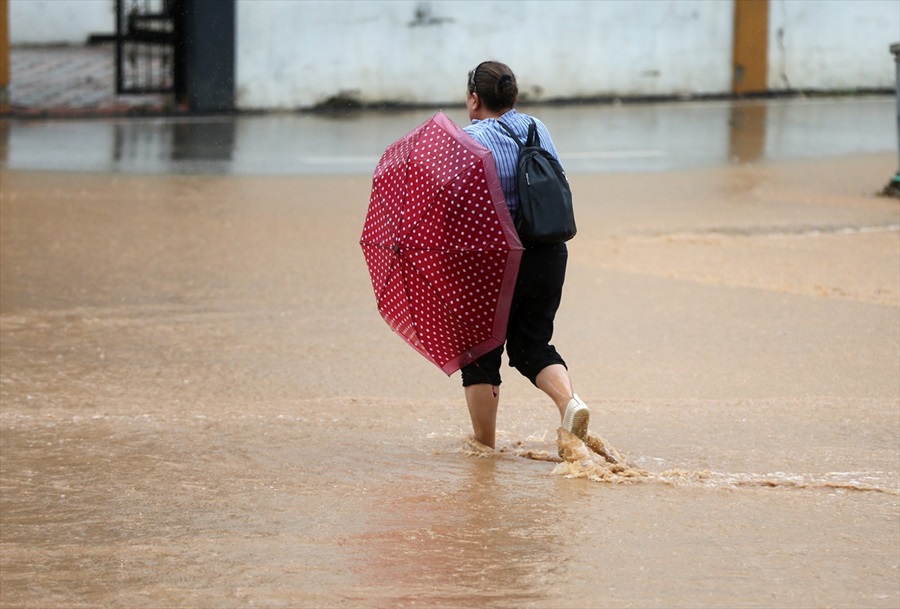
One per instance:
(145,46)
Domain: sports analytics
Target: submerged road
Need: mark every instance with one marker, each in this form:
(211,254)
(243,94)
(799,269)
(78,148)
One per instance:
(590,138)
(200,405)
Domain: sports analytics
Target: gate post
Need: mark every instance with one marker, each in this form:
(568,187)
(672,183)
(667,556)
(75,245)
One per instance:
(204,54)
(895,49)
(893,187)
(4,56)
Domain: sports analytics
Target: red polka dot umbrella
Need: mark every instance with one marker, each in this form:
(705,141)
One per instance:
(441,247)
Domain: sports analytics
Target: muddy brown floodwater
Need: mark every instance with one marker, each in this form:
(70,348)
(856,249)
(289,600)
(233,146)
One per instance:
(201,406)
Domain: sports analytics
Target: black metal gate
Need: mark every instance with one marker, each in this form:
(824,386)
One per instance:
(146,35)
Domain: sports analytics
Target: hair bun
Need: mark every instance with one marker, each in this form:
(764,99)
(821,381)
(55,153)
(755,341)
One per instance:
(495,85)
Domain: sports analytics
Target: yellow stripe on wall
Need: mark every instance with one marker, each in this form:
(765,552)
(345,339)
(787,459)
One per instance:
(751,42)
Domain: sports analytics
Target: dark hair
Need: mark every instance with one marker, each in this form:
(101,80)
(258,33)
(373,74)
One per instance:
(495,84)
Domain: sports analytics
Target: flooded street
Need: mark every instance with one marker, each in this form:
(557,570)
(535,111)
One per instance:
(201,406)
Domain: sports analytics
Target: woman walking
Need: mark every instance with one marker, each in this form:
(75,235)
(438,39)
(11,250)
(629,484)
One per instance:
(491,97)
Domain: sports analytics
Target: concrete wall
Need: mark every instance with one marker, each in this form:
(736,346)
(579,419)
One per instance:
(832,44)
(299,54)
(59,21)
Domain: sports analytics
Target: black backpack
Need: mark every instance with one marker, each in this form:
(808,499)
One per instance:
(545,212)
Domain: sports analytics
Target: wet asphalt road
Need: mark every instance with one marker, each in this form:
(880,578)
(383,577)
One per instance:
(591,138)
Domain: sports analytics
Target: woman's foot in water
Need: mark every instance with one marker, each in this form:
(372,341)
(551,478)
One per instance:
(577,417)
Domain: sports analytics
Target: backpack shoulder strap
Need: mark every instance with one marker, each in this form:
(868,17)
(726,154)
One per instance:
(533,138)
(512,134)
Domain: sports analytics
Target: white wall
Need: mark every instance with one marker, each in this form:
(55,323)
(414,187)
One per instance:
(59,21)
(832,44)
(298,54)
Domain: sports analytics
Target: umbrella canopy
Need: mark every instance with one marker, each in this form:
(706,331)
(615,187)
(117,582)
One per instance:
(440,245)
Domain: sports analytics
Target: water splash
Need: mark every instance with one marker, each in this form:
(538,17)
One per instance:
(597,460)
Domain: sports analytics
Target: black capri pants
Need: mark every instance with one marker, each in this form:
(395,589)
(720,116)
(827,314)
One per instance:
(530,328)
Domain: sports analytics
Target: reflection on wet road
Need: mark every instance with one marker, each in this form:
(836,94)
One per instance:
(590,138)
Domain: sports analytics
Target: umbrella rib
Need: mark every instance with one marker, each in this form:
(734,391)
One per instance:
(387,280)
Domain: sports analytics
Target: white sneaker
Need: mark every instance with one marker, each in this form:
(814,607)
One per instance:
(577,417)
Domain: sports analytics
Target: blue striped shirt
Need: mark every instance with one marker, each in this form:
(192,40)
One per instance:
(506,152)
